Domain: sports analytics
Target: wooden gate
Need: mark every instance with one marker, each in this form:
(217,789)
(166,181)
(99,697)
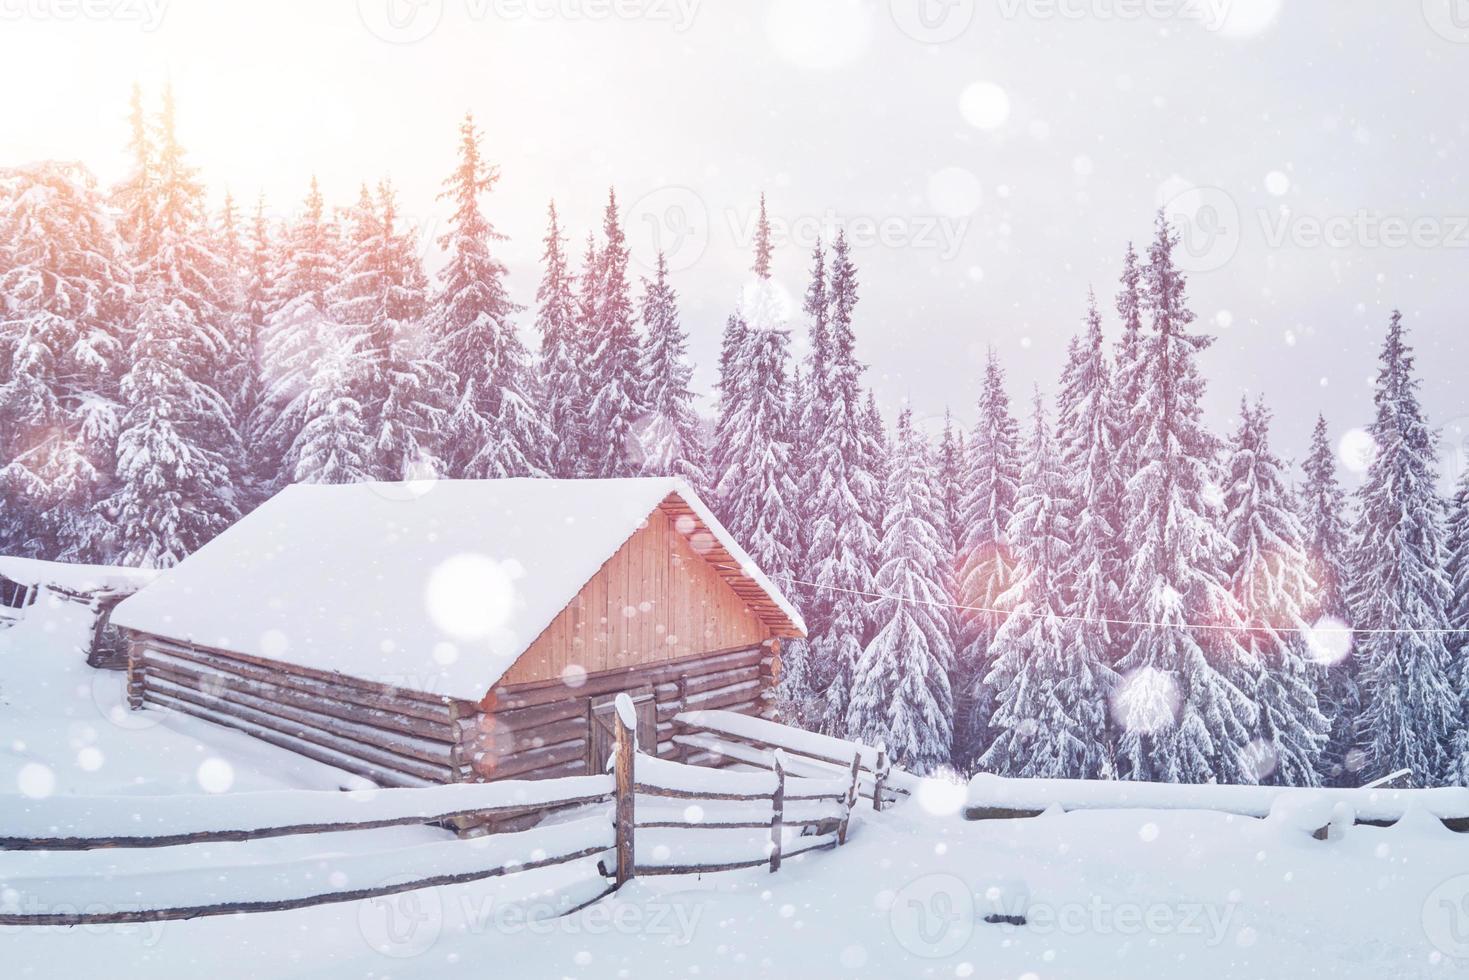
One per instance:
(600,714)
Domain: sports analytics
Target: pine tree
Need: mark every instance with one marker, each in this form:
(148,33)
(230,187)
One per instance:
(843,543)
(64,288)
(900,689)
(1271,579)
(1410,705)
(614,383)
(1324,516)
(134,196)
(669,440)
(1130,353)
(1183,706)
(1088,433)
(1457,571)
(296,332)
(950,475)
(177,440)
(1050,717)
(560,364)
(494,429)
(985,565)
(380,305)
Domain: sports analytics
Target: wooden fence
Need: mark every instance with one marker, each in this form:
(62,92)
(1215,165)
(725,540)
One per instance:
(792,813)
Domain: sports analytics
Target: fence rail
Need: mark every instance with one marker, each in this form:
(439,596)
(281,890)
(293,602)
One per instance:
(788,813)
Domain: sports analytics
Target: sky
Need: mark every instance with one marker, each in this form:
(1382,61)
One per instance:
(990,160)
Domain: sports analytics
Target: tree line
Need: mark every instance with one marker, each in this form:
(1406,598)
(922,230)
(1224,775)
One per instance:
(1104,588)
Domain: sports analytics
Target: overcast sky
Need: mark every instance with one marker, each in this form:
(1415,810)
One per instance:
(992,159)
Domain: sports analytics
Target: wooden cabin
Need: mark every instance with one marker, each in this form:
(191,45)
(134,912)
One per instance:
(461,630)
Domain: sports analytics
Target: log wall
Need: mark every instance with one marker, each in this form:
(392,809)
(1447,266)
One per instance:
(400,737)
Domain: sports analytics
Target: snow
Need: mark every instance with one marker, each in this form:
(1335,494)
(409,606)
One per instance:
(75,578)
(677,777)
(989,790)
(438,587)
(1107,893)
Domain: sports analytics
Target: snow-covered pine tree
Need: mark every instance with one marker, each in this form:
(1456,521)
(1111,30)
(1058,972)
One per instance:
(753,490)
(381,305)
(559,367)
(1410,705)
(669,439)
(178,441)
(949,471)
(1327,543)
(64,291)
(239,371)
(133,197)
(1130,381)
(843,542)
(900,689)
(1270,576)
(1050,716)
(985,567)
(614,382)
(494,428)
(1457,570)
(1088,431)
(296,333)
(1183,707)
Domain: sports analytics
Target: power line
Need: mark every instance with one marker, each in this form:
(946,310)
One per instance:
(1134,623)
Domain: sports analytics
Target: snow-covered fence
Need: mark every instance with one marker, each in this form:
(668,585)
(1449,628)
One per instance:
(728,736)
(994,797)
(696,819)
(656,816)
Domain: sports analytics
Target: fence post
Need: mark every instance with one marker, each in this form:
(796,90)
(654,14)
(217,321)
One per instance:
(851,800)
(682,755)
(879,775)
(624,726)
(777,817)
(137,681)
(456,748)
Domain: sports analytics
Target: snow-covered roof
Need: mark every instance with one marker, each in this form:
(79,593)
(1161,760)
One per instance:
(80,579)
(437,587)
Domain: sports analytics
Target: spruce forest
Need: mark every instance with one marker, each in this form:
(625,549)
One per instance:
(1089,582)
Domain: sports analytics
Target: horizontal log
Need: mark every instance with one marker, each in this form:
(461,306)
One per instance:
(341,744)
(488,739)
(118,916)
(347,763)
(392,692)
(519,763)
(409,707)
(435,753)
(516,696)
(518,719)
(709,682)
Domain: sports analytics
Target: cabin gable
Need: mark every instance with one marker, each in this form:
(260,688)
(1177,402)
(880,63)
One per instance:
(656,600)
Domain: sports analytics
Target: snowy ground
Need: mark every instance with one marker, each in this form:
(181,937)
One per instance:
(1107,894)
